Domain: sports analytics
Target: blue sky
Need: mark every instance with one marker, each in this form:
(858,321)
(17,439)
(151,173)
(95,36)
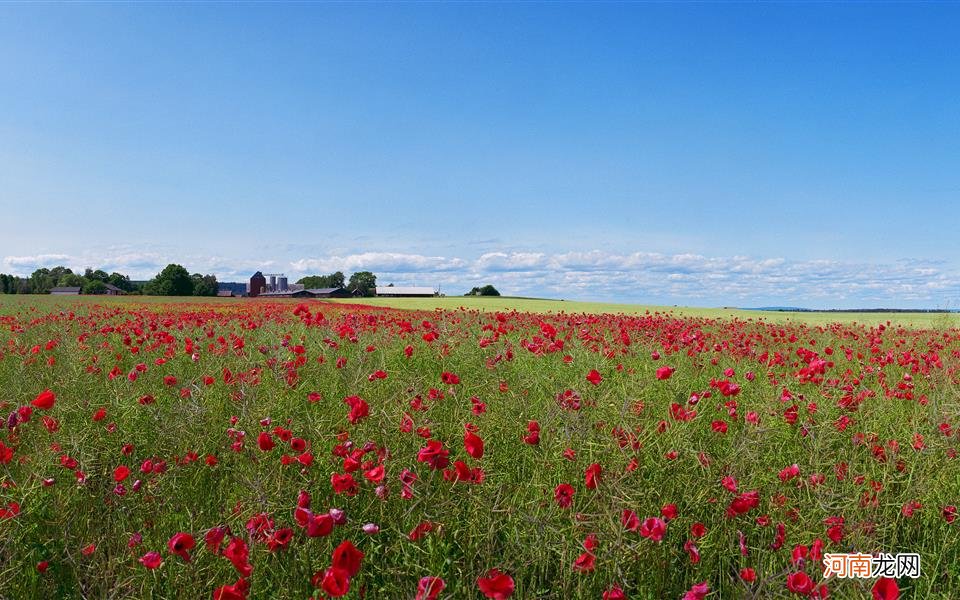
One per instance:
(748,154)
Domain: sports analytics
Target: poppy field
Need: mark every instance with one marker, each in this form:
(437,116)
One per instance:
(256,449)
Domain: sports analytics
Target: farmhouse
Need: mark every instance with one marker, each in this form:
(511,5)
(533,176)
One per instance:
(405,291)
(113,290)
(65,291)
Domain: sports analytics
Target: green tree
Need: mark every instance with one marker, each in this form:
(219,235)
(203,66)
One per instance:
(121,281)
(333,280)
(204,285)
(58,272)
(94,287)
(173,280)
(363,281)
(41,281)
(71,280)
(487,290)
(98,275)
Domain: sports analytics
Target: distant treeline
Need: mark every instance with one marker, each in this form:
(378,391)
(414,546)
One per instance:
(174,280)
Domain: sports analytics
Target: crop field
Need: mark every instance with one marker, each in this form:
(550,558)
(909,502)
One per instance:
(253,449)
(506,303)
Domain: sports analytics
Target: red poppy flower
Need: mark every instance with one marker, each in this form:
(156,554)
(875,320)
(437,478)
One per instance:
(335,582)
(473,444)
(800,583)
(630,520)
(949,513)
(347,557)
(653,528)
(533,433)
(429,588)
(238,553)
(563,495)
(121,473)
(180,544)
(319,525)
(265,441)
(359,408)
(594,377)
(592,475)
(698,530)
(665,372)
(375,475)
(698,592)
(343,484)
(151,560)
(434,455)
(235,591)
(669,512)
(585,563)
(420,530)
(11,510)
(6,454)
(692,551)
(615,592)
(743,503)
(748,574)
(885,589)
(496,585)
(44,400)
(789,473)
(214,538)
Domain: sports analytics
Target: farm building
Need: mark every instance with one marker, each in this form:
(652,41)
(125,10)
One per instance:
(225,293)
(312,293)
(113,290)
(258,284)
(65,291)
(236,288)
(405,291)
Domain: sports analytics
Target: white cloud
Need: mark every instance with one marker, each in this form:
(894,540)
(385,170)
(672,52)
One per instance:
(18,263)
(377,261)
(514,261)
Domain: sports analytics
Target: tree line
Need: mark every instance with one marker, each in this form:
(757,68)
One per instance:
(173,280)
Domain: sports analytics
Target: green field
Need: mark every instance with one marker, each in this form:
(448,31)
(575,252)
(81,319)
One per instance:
(920,320)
